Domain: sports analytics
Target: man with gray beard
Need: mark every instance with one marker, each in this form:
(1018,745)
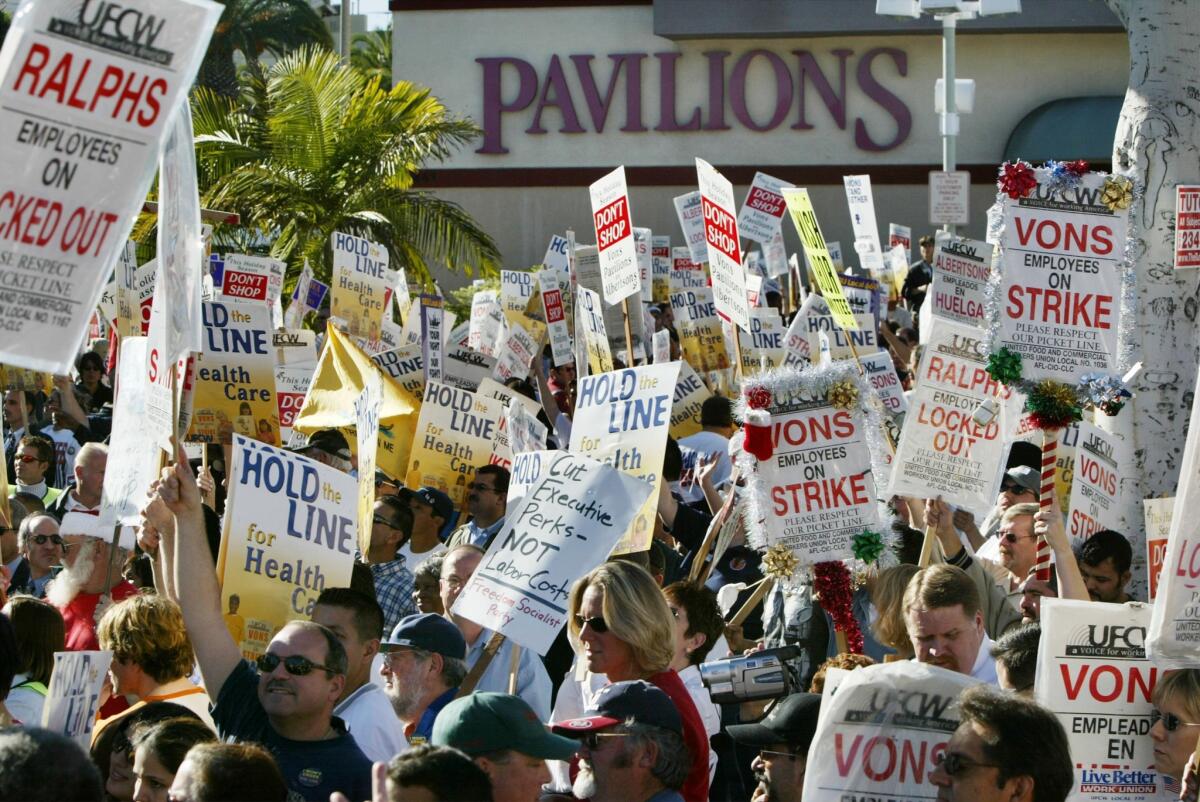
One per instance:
(79,591)
(424,663)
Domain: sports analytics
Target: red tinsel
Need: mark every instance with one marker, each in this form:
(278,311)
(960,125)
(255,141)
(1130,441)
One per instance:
(837,598)
(758,397)
(1077,167)
(1017,179)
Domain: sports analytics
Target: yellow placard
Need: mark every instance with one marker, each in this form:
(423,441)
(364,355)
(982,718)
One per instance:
(801,209)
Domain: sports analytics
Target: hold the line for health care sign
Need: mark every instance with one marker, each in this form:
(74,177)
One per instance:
(622,418)
(361,281)
(564,526)
(881,734)
(1094,675)
(1060,283)
(290,532)
(454,437)
(88,91)
(942,449)
(73,697)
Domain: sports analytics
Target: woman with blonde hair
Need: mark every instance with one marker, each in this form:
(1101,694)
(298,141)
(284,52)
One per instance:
(887,597)
(1176,717)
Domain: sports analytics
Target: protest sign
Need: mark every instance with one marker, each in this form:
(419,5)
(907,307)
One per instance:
(556,321)
(622,418)
(588,275)
(503,444)
(251,278)
(518,350)
(1187,226)
(724,248)
(862,218)
(754,290)
(817,255)
(235,376)
(660,269)
(881,734)
(699,329)
(690,395)
(402,295)
(1051,239)
(73,697)
(642,238)
(132,452)
(486,320)
(1158,527)
(881,372)
(564,526)
(558,257)
(763,344)
(431,336)
(526,432)
(614,237)
(835,256)
(290,525)
(516,288)
(454,437)
(662,346)
(529,468)
(366,430)
(961,268)
(1093,674)
(902,236)
(942,449)
(298,307)
(361,281)
(775,255)
(159,396)
(761,216)
(291,386)
(119,302)
(67,219)
(465,368)
(862,294)
(590,328)
(1096,485)
(691,221)
(685,274)
(404,367)
(180,247)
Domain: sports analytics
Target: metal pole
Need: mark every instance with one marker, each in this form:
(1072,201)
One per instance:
(344,30)
(949,108)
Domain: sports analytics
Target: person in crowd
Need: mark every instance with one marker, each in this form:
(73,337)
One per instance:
(90,367)
(1006,749)
(1016,654)
(429,773)
(41,549)
(698,627)
(68,429)
(847,661)
(712,441)
(391,526)
(34,467)
(427,577)
(152,655)
(533,683)
(85,580)
(782,738)
(945,624)
(920,276)
(487,503)
(632,746)
(1104,560)
(431,512)
(424,663)
(218,772)
(1033,590)
(505,738)
(887,594)
(356,619)
(1020,485)
(17,424)
(38,765)
(559,381)
(10,666)
(158,749)
(112,748)
(84,494)
(1176,720)
(39,631)
(287,704)
(328,447)
(620,625)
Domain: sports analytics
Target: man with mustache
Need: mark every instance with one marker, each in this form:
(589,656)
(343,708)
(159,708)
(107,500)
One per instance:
(79,591)
(782,739)
(945,624)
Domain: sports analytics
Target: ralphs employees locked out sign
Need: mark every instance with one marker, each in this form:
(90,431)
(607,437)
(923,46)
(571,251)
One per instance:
(1094,675)
(88,90)
(563,527)
(614,237)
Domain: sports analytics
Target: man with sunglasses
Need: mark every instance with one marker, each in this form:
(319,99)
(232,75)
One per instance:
(487,500)
(287,704)
(782,738)
(41,549)
(33,461)
(1006,749)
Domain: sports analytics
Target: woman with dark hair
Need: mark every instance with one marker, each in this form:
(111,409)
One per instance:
(40,633)
(158,749)
(112,751)
(216,772)
(91,370)
(8,666)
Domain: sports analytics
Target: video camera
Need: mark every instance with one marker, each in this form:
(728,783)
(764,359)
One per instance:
(759,675)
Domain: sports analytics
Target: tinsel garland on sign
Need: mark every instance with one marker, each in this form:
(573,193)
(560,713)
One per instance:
(831,581)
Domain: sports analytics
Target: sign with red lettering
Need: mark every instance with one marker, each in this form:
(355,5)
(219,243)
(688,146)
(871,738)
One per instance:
(1158,527)
(614,237)
(1094,674)
(761,217)
(1096,486)
(880,735)
(724,248)
(1187,226)
(1060,290)
(943,450)
(961,268)
(556,319)
(691,220)
(88,91)
(240,286)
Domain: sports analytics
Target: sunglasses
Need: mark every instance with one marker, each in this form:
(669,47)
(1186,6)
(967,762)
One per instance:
(1012,537)
(41,539)
(296,665)
(1016,490)
(763,753)
(1170,721)
(592,739)
(598,625)
(954,764)
(379,519)
(28,458)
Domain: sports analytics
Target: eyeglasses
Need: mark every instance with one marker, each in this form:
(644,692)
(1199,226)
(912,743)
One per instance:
(296,665)
(1011,537)
(598,625)
(41,539)
(592,739)
(954,764)
(1170,721)
(28,458)
(482,488)
(379,519)
(1016,490)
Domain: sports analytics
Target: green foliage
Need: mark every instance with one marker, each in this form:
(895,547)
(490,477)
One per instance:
(250,28)
(459,301)
(371,54)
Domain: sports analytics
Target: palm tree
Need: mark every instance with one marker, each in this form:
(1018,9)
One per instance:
(371,54)
(251,28)
(312,147)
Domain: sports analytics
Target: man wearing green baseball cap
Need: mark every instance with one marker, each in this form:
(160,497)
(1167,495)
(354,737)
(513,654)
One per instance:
(504,737)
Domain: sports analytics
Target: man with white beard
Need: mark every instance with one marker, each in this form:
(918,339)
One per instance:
(78,589)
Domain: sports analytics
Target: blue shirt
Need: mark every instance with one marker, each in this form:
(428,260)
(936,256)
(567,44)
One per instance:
(533,683)
(424,728)
(478,536)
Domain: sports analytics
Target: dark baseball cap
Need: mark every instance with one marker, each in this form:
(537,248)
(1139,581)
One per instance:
(331,441)
(489,722)
(620,701)
(443,507)
(792,720)
(1025,476)
(428,631)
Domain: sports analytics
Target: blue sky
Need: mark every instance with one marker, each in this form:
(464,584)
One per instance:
(377,12)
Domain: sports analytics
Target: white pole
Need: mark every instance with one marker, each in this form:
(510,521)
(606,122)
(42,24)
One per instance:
(344,30)
(949,108)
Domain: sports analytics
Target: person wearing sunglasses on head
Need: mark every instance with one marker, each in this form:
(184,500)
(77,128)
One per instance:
(1176,722)
(41,549)
(287,704)
(782,738)
(487,499)
(1006,749)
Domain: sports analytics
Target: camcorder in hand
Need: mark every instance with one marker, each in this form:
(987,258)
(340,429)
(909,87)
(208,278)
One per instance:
(760,675)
